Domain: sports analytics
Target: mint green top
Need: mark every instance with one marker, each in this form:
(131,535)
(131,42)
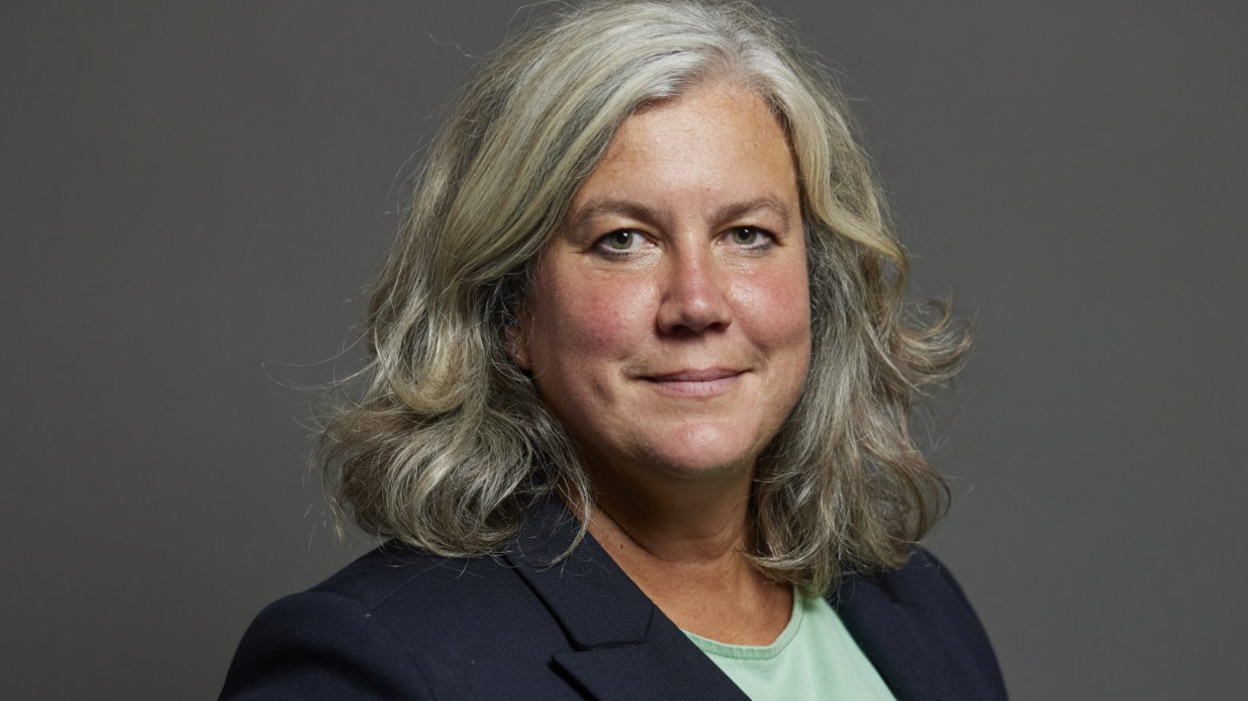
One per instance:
(814,658)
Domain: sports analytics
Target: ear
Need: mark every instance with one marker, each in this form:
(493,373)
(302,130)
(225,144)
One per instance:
(517,345)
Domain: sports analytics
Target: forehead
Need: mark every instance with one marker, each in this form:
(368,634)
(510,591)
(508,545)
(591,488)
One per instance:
(719,138)
(715,106)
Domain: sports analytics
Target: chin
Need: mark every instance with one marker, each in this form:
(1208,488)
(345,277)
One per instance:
(705,451)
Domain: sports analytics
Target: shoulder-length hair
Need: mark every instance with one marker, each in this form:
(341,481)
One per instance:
(446,440)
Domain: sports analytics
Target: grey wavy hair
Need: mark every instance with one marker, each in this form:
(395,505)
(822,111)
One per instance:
(444,440)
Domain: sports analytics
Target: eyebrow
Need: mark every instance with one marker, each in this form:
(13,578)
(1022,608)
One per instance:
(645,213)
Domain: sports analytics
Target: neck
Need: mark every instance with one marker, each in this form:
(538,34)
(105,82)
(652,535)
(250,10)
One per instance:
(676,535)
(683,542)
(676,521)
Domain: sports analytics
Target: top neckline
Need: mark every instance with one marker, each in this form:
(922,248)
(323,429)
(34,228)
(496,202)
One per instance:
(755,652)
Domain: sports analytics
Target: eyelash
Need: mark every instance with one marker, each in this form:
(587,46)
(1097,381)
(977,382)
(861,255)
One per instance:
(768,240)
(605,249)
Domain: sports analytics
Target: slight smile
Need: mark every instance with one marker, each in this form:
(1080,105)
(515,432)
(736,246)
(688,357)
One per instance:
(695,383)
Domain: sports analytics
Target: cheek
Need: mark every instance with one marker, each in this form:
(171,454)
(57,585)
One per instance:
(584,320)
(776,307)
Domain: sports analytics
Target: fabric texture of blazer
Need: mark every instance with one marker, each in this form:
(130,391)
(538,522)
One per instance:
(401,623)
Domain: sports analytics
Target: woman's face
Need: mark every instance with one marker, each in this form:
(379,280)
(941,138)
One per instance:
(668,326)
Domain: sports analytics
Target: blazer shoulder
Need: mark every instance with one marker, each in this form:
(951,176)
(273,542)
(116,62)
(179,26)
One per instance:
(403,623)
(321,645)
(393,568)
(399,620)
(924,575)
(923,580)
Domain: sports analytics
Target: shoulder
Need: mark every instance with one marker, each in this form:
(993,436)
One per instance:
(395,571)
(925,577)
(917,620)
(923,581)
(398,620)
(321,643)
(427,597)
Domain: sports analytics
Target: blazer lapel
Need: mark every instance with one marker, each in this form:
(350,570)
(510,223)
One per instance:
(883,629)
(920,633)
(624,648)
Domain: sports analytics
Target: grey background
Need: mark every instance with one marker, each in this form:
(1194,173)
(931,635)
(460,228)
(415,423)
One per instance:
(193,195)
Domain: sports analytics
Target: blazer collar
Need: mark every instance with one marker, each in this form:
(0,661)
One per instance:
(624,647)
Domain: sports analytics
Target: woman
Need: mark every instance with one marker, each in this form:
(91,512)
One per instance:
(635,419)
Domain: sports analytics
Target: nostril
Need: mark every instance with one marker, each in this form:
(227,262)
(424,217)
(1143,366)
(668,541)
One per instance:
(694,308)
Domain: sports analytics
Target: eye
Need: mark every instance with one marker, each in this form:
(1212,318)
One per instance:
(750,237)
(621,241)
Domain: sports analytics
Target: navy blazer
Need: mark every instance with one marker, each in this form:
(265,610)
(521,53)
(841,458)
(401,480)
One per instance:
(401,623)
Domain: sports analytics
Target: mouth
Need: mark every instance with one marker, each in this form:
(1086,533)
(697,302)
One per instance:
(695,382)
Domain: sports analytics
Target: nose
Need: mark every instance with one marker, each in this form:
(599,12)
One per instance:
(694,297)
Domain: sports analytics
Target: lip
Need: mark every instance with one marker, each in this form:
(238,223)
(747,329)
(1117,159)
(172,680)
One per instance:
(695,382)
